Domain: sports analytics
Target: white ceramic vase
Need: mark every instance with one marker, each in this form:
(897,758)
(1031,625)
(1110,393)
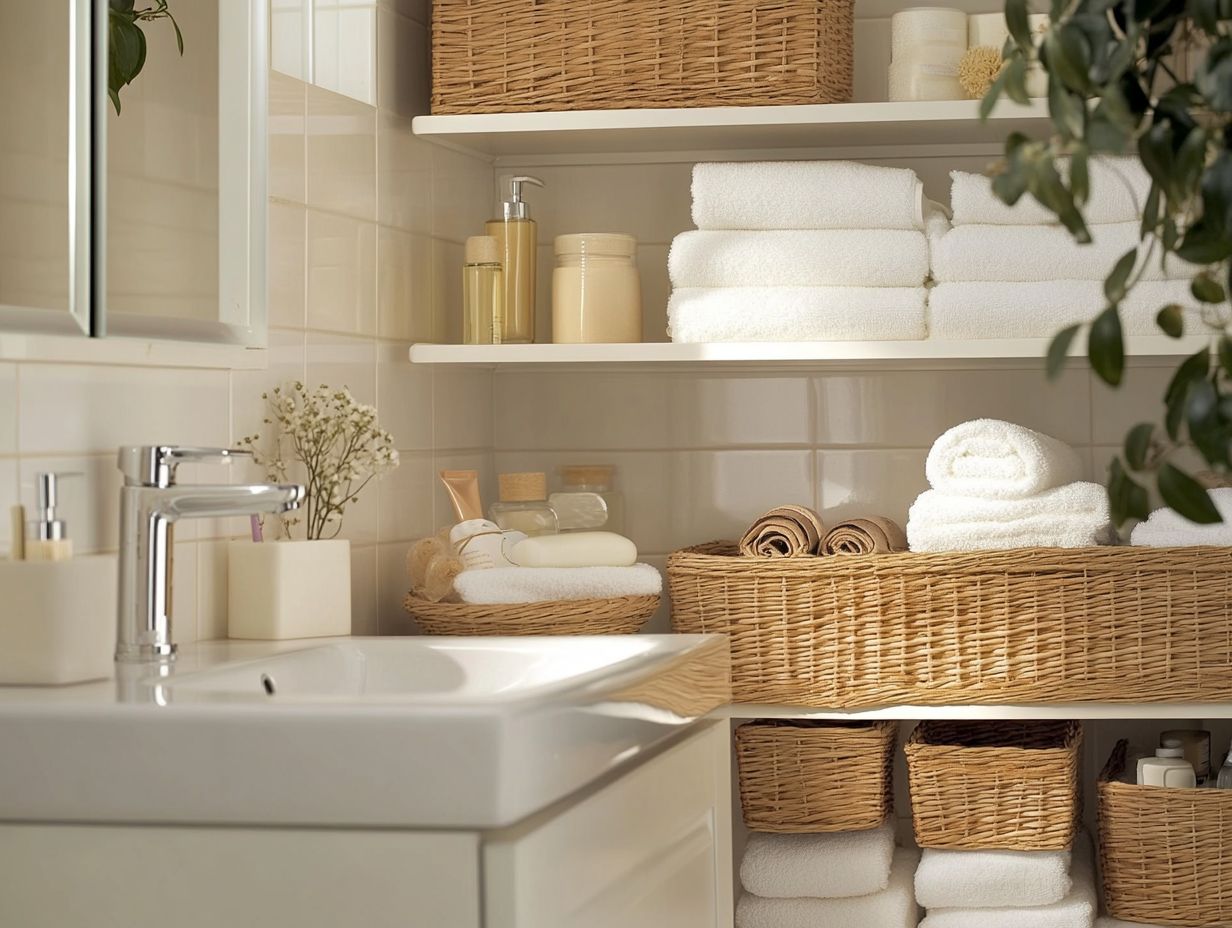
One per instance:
(289,589)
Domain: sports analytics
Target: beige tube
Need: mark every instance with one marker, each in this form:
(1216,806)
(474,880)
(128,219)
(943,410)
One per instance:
(463,487)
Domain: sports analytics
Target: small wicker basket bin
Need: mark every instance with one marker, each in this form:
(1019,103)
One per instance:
(1027,625)
(812,777)
(1010,786)
(1165,854)
(512,56)
(621,615)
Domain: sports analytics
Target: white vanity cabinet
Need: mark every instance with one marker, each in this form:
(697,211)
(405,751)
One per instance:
(650,847)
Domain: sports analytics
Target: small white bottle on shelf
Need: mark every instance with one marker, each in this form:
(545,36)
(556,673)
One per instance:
(1167,768)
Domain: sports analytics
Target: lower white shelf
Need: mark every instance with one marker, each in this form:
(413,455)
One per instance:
(1076,710)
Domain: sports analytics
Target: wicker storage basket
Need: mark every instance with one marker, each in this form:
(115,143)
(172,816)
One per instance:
(621,615)
(1165,854)
(1029,625)
(805,776)
(1009,786)
(515,56)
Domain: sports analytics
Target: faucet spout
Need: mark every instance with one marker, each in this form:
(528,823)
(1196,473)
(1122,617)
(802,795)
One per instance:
(151,502)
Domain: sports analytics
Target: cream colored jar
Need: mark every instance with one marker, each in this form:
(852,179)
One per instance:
(596,292)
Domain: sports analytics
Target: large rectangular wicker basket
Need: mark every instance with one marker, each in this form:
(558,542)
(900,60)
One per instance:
(1165,854)
(1028,625)
(1010,786)
(812,777)
(510,56)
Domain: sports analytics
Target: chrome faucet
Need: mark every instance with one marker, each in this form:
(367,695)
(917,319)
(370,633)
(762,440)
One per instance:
(150,502)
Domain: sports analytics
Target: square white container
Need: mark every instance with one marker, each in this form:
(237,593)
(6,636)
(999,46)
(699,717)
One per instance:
(58,620)
(289,589)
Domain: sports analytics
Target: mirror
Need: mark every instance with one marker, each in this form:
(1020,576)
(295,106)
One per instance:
(177,204)
(45,60)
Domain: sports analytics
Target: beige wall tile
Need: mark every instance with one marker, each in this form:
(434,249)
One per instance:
(340,361)
(404,286)
(288,132)
(404,78)
(341,154)
(463,197)
(739,411)
(211,590)
(404,397)
(462,409)
(10,495)
(392,587)
(365,619)
(342,261)
(447,292)
(406,499)
(404,176)
(286,358)
(8,409)
(864,482)
(287,264)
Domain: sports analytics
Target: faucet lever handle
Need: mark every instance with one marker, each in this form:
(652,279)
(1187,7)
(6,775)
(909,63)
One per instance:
(154,465)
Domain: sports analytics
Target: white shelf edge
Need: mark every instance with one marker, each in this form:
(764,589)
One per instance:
(887,352)
(1086,711)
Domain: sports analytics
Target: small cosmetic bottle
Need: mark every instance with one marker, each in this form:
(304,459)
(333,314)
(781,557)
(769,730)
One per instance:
(483,292)
(523,505)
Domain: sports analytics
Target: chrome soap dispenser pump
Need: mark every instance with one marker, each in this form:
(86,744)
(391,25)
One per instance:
(517,239)
(50,541)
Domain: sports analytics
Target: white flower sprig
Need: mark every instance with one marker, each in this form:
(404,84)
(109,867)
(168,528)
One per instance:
(337,441)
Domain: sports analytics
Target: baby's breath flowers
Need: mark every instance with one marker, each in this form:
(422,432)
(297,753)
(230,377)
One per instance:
(337,442)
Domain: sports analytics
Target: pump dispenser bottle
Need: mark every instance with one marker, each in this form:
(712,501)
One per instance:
(51,541)
(517,238)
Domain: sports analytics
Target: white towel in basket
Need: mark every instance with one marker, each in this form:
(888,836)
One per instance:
(992,879)
(826,866)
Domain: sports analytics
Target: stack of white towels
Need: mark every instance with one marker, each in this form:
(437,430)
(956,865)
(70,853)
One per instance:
(1013,272)
(802,251)
(855,879)
(999,485)
(1008,889)
(1167,528)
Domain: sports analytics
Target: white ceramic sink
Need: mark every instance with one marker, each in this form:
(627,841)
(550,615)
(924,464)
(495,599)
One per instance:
(408,732)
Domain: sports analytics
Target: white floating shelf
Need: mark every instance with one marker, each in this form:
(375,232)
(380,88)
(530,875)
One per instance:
(1078,710)
(831,125)
(887,353)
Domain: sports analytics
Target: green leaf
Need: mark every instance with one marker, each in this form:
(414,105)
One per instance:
(1068,57)
(1016,20)
(1206,290)
(1225,354)
(1114,285)
(1200,407)
(1186,495)
(1058,350)
(1204,243)
(1172,320)
(1150,211)
(1138,445)
(1079,173)
(1127,498)
(1067,110)
(1155,151)
(1194,367)
(1106,348)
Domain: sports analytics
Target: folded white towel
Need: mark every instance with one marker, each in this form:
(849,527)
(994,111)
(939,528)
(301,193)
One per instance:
(1071,516)
(805,195)
(815,258)
(796,314)
(825,866)
(992,879)
(1040,309)
(1076,910)
(893,907)
(999,460)
(1119,188)
(1166,528)
(989,252)
(544,584)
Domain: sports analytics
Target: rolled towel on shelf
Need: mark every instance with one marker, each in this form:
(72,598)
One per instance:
(813,258)
(1027,253)
(822,866)
(785,531)
(999,460)
(992,879)
(872,535)
(1040,309)
(1075,515)
(1119,188)
(545,584)
(796,314)
(1076,910)
(1167,528)
(805,195)
(893,907)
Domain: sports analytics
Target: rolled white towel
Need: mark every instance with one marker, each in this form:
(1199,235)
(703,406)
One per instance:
(814,258)
(1075,515)
(1119,188)
(1022,253)
(1166,528)
(992,879)
(825,866)
(1076,910)
(893,907)
(805,195)
(545,584)
(796,314)
(994,459)
(1040,309)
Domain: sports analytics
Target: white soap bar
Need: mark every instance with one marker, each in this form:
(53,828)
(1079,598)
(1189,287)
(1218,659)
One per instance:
(577,549)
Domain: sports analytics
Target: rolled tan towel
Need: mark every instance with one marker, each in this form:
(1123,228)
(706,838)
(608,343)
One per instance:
(786,531)
(874,535)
